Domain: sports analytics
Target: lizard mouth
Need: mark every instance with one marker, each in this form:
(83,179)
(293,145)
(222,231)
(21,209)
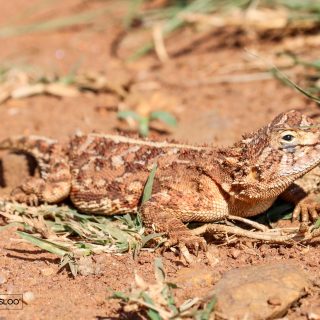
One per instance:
(293,147)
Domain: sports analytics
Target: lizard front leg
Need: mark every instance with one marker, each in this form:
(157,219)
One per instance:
(166,212)
(55,178)
(306,204)
(159,218)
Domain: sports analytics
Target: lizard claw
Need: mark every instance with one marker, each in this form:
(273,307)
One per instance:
(186,242)
(196,249)
(308,209)
(21,197)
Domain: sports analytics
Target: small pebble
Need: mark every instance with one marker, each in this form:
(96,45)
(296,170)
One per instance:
(282,251)
(313,316)
(3,279)
(274,301)
(313,264)
(47,271)
(28,297)
(235,253)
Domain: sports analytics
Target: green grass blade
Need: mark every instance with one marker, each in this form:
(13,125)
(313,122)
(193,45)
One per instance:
(149,237)
(153,314)
(149,184)
(113,231)
(285,79)
(159,270)
(317,224)
(44,244)
(176,22)
(165,117)
(119,295)
(129,114)
(133,12)
(144,126)
(205,314)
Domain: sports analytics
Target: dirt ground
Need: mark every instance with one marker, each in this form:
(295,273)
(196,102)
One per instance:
(207,112)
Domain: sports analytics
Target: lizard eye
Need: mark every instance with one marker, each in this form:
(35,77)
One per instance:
(288,137)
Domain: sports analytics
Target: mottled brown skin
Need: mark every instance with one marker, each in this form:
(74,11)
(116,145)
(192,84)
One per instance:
(105,174)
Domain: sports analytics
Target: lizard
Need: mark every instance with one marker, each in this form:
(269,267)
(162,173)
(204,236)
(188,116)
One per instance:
(106,174)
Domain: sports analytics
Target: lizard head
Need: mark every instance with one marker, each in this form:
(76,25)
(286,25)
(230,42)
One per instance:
(280,152)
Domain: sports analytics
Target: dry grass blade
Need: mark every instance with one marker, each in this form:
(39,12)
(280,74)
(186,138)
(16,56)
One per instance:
(56,228)
(159,45)
(279,17)
(175,22)
(284,78)
(17,83)
(251,223)
(231,230)
(280,235)
(54,24)
(228,78)
(157,300)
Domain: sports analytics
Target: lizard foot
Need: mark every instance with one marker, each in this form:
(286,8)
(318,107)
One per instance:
(20,196)
(308,209)
(186,241)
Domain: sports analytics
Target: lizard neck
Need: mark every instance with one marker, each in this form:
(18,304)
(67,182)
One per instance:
(243,178)
(256,180)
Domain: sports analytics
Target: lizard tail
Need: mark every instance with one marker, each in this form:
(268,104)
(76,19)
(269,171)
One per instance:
(55,182)
(38,147)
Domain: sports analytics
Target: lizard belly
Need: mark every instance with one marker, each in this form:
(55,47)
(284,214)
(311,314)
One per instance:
(249,209)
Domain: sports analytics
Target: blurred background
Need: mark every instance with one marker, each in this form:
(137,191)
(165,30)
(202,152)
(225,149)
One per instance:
(193,70)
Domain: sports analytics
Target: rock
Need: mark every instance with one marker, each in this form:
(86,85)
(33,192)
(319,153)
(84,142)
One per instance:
(86,267)
(314,312)
(259,292)
(192,278)
(28,297)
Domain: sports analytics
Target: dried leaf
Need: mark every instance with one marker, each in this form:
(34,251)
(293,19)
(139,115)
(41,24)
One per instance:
(61,90)
(28,91)
(140,282)
(4,95)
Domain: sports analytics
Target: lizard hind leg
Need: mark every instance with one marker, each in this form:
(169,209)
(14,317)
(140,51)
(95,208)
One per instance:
(54,182)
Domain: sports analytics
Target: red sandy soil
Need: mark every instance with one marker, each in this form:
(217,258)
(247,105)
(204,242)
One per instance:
(208,113)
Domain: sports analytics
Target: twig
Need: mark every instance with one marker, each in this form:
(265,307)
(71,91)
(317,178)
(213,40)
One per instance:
(159,43)
(218,228)
(251,223)
(239,78)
